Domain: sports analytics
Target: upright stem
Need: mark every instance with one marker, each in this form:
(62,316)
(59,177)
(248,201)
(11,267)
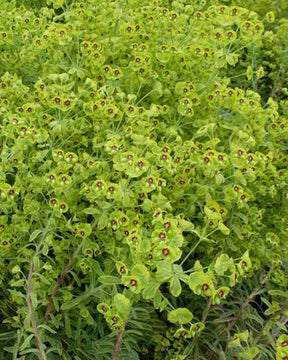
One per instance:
(206,311)
(59,282)
(118,344)
(31,313)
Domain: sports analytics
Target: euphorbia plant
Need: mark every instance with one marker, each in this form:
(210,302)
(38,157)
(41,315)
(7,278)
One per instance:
(143,182)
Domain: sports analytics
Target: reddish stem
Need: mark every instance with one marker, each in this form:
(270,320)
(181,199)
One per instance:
(118,344)
(59,282)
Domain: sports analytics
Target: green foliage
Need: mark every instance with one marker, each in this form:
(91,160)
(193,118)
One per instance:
(143,180)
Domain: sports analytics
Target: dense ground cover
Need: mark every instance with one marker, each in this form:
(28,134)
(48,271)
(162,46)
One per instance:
(143,180)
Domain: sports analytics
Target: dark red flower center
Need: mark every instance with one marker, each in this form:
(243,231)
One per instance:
(167,225)
(133,282)
(165,251)
(205,287)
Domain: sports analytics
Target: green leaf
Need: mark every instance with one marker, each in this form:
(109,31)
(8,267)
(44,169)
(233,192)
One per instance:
(29,351)
(48,328)
(150,290)
(211,214)
(45,249)
(16,269)
(68,329)
(26,342)
(249,73)
(157,90)
(18,283)
(34,235)
(157,299)
(234,343)
(180,316)
(102,221)
(232,59)
(122,305)
(223,228)
(175,286)
(34,300)
(36,263)
(186,225)
(243,336)
(224,263)
(249,354)
(109,280)
(57,3)
(91,211)
(164,271)
(219,179)
(280,293)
